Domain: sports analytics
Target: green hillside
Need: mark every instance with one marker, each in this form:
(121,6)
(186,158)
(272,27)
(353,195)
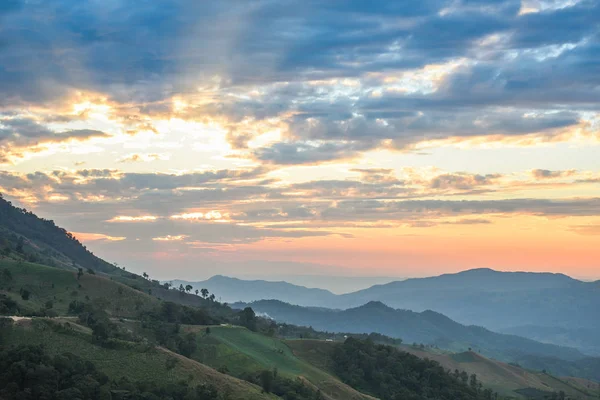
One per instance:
(508,380)
(135,362)
(242,352)
(25,236)
(51,290)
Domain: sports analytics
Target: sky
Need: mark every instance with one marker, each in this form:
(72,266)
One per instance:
(188,138)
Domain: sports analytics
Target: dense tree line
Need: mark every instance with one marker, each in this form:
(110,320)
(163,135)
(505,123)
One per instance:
(28,372)
(288,389)
(390,374)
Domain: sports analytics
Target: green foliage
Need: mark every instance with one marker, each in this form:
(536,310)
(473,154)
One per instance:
(28,372)
(25,294)
(285,388)
(266,380)
(6,277)
(391,374)
(247,318)
(8,306)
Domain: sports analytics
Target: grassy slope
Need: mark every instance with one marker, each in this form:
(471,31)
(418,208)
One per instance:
(242,351)
(500,377)
(136,362)
(62,287)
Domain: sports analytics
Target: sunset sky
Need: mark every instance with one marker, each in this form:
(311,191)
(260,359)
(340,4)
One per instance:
(186,138)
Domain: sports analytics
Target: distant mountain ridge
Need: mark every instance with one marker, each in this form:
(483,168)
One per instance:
(500,301)
(424,327)
(233,289)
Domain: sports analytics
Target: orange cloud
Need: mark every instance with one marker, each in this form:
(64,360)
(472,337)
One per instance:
(92,237)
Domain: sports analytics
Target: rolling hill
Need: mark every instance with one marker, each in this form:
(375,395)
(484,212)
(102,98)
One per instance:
(135,362)
(551,308)
(425,327)
(242,352)
(507,380)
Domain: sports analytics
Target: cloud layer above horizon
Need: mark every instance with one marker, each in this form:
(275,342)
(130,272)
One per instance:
(378,136)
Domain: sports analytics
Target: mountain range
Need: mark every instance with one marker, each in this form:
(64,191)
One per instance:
(552,308)
(427,327)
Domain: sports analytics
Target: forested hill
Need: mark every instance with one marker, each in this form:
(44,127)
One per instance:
(425,327)
(23,235)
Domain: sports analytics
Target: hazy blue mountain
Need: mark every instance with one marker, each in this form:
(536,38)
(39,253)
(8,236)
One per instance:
(493,299)
(496,300)
(585,339)
(232,289)
(427,327)
(550,308)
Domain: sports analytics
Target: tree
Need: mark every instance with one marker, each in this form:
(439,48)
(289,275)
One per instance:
(181,288)
(211,297)
(79,273)
(187,346)
(196,291)
(266,380)
(188,288)
(473,382)
(91,271)
(145,275)
(20,244)
(464,377)
(25,294)
(6,276)
(248,318)
(204,293)
(207,330)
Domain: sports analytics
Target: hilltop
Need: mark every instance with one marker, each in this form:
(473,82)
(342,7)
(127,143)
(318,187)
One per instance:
(25,236)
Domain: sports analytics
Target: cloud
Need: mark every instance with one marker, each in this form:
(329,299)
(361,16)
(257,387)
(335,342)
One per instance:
(137,157)
(169,238)
(463,181)
(337,79)
(586,229)
(309,153)
(24,135)
(127,218)
(365,210)
(92,237)
(547,174)
(468,221)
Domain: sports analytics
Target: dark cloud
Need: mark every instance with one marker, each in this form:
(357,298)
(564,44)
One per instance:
(569,25)
(20,134)
(463,181)
(546,174)
(308,153)
(147,52)
(469,221)
(400,210)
